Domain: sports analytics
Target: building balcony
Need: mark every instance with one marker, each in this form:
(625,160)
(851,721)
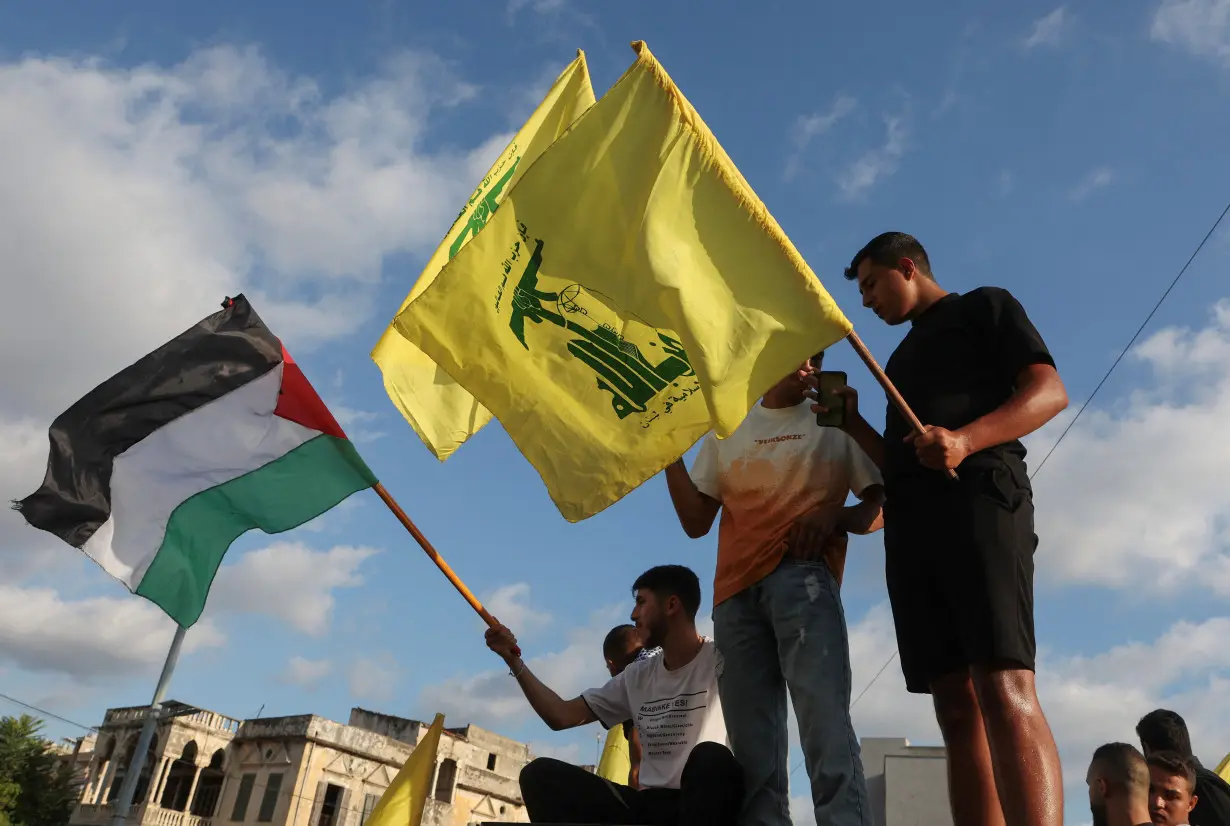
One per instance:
(100,814)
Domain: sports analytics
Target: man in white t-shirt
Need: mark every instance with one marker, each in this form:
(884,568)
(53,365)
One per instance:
(781,485)
(688,775)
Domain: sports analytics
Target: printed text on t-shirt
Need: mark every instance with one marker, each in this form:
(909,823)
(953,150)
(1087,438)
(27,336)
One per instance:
(664,724)
(790,437)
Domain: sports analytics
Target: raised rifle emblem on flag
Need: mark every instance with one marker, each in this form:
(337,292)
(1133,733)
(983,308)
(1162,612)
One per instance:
(619,364)
(485,200)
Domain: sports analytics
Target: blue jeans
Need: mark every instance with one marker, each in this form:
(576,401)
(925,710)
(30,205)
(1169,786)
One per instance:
(788,632)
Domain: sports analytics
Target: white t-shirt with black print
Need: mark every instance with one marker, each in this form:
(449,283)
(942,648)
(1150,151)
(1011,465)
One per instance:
(672,711)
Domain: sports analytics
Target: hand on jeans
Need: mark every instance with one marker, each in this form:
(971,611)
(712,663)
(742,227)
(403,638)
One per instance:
(810,533)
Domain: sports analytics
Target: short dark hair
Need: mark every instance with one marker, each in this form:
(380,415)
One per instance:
(1179,765)
(616,641)
(888,248)
(1164,730)
(1124,766)
(667,581)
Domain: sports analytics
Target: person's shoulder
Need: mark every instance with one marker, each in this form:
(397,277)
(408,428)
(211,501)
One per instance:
(989,297)
(639,669)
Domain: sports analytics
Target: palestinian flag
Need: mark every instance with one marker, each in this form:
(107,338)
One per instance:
(160,468)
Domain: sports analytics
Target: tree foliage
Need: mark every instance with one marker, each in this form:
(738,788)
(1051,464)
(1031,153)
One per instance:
(36,787)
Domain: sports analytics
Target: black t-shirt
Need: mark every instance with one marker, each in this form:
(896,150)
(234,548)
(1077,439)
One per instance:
(1212,800)
(958,363)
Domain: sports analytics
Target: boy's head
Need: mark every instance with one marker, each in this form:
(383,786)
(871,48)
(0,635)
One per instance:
(1172,788)
(667,597)
(620,648)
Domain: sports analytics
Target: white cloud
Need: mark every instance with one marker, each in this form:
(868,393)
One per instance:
(809,127)
(1099,178)
(875,165)
(1088,700)
(568,752)
(290,581)
(374,679)
(490,698)
(1005,183)
(304,672)
(510,605)
(1048,30)
(174,186)
(1136,491)
(1201,27)
(89,638)
(357,423)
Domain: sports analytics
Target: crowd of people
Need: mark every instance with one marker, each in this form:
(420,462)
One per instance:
(707,718)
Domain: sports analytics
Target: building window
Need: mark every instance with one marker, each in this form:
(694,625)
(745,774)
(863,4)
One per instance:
(490,762)
(269,801)
(240,812)
(369,803)
(330,802)
(445,781)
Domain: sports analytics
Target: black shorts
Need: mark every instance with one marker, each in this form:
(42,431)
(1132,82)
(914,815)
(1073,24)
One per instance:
(959,561)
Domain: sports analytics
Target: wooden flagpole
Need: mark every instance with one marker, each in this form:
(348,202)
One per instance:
(409,525)
(889,390)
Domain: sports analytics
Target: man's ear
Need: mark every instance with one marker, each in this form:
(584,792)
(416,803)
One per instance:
(906,265)
(673,605)
(1195,799)
(610,664)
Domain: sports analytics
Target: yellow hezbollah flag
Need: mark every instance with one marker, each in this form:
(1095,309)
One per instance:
(440,410)
(402,802)
(631,294)
(616,762)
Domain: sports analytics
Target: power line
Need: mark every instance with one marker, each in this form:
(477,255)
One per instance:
(46,713)
(1118,359)
(1132,341)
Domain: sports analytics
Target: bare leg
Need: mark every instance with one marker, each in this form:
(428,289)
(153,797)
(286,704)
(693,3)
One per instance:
(1022,747)
(971,776)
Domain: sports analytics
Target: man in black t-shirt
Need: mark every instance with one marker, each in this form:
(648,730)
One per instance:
(959,554)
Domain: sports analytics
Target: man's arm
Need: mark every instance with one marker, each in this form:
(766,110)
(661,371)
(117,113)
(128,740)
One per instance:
(556,712)
(868,515)
(856,427)
(1039,397)
(696,511)
(634,758)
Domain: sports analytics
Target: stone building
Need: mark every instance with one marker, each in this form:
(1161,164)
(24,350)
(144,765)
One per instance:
(204,768)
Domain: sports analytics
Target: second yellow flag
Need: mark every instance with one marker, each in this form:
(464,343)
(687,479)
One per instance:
(440,410)
(630,294)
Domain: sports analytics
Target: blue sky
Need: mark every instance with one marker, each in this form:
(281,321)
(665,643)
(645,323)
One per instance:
(153,160)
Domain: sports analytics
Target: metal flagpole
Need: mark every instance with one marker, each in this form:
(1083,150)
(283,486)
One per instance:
(124,802)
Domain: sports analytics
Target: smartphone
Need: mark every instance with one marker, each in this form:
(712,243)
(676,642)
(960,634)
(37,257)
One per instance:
(831,380)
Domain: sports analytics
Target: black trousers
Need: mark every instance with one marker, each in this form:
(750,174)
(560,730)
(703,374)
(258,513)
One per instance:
(710,794)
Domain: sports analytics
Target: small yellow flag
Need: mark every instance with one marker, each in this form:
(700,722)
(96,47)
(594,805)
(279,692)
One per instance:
(616,760)
(441,411)
(630,294)
(402,802)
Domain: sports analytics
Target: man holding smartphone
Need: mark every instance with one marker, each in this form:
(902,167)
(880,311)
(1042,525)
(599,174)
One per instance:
(781,484)
(959,553)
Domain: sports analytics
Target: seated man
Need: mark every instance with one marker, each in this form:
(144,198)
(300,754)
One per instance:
(688,775)
(1118,781)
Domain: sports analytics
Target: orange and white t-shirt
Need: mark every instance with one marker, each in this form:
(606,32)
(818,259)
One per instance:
(777,466)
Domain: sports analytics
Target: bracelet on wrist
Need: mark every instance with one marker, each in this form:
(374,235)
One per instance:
(514,670)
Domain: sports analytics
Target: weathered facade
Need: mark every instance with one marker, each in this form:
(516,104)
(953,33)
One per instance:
(206,769)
